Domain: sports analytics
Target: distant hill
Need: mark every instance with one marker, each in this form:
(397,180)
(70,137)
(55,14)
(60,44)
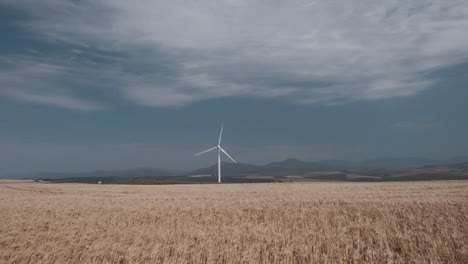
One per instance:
(462,166)
(376,169)
(290,170)
(228,169)
(294,166)
(127,174)
(339,164)
(457,160)
(288,166)
(393,163)
(389,162)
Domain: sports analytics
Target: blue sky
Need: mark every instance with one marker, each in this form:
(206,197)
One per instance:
(115,84)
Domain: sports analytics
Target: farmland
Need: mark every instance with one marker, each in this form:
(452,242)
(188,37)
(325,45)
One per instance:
(319,222)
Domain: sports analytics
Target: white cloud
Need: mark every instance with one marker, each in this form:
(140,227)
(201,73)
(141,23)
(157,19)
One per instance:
(302,50)
(54,100)
(36,82)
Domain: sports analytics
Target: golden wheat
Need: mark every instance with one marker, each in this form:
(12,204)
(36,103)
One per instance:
(419,222)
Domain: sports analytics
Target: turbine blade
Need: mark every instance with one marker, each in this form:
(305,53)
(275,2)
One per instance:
(220,135)
(227,154)
(208,150)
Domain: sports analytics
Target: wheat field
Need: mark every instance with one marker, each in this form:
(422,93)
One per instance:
(417,222)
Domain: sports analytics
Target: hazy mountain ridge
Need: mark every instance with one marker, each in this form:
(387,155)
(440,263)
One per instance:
(293,166)
(127,173)
(289,166)
(273,168)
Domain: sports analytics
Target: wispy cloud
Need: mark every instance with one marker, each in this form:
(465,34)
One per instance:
(326,52)
(52,99)
(41,83)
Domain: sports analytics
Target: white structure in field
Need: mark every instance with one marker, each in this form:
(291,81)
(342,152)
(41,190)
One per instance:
(220,149)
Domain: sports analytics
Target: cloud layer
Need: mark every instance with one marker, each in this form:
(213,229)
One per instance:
(172,53)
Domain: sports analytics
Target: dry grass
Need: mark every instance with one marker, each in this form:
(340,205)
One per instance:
(421,222)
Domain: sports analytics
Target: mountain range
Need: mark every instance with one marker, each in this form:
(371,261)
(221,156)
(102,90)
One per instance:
(281,168)
(294,166)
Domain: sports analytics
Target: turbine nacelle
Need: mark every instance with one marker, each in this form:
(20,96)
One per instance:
(219,148)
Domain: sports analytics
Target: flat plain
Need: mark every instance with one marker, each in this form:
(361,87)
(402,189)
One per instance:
(319,222)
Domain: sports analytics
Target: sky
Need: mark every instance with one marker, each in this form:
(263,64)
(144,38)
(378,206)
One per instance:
(114,84)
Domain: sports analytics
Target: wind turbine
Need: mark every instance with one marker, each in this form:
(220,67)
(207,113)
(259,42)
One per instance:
(220,149)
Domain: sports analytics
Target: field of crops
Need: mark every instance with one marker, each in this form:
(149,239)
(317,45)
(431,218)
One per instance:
(408,222)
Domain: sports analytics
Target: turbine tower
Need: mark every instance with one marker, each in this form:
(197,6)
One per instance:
(220,149)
